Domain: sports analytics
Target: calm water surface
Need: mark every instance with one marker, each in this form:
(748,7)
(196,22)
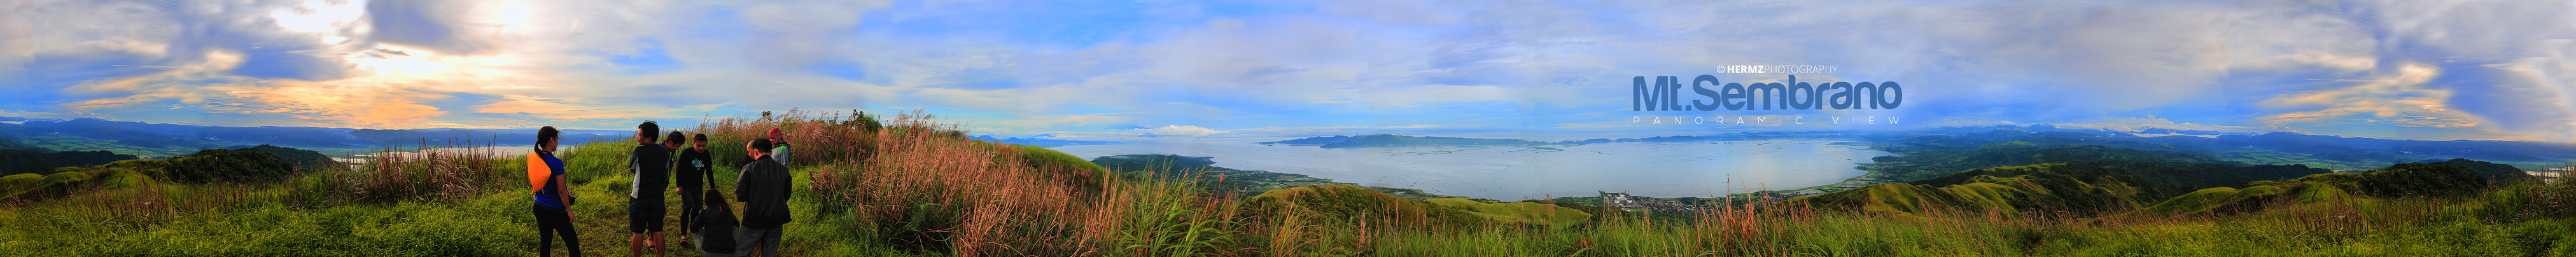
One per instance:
(1693,169)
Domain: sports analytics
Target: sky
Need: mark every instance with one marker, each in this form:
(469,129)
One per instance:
(1113,70)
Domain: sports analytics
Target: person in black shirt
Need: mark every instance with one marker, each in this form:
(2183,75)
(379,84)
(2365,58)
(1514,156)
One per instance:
(644,209)
(763,187)
(691,171)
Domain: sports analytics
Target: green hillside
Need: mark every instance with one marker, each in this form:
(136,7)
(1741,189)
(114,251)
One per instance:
(1919,163)
(208,166)
(2440,179)
(2080,188)
(2039,189)
(16,161)
(1515,212)
(300,158)
(2155,180)
(1350,205)
(2154,188)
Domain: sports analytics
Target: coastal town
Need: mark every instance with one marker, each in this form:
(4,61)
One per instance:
(2553,174)
(1625,202)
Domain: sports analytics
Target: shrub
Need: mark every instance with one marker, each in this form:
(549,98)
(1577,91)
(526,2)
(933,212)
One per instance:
(220,165)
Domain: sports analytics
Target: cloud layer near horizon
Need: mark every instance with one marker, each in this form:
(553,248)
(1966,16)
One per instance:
(2394,69)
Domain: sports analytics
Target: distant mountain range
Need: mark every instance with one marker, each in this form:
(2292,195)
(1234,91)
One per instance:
(42,161)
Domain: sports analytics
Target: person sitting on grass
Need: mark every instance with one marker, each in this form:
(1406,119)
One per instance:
(763,188)
(546,177)
(714,228)
(651,167)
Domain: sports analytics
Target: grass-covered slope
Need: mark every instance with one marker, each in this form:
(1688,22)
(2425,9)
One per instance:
(2154,180)
(1515,212)
(1353,205)
(2439,179)
(2079,188)
(1936,159)
(2039,190)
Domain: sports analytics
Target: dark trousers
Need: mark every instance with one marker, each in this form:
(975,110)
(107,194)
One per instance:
(550,223)
(689,208)
(746,238)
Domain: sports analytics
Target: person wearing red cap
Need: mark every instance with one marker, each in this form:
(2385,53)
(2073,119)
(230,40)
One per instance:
(778,139)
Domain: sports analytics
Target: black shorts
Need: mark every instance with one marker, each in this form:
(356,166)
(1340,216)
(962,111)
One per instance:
(644,216)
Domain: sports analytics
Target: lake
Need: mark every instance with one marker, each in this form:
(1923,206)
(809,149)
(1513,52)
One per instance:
(1691,169)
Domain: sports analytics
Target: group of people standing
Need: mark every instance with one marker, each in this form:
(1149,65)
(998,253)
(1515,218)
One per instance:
(705,215)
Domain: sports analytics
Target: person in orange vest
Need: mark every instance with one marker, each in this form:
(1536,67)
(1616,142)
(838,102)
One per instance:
(546,179)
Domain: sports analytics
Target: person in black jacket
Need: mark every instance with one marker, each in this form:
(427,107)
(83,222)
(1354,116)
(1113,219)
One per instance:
(715,227)
(763,188)
(691,171)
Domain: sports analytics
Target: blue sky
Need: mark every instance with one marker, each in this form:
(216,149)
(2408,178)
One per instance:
(1117,70)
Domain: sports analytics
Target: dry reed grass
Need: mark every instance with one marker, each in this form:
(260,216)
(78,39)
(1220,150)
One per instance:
(436,174)
(938,191)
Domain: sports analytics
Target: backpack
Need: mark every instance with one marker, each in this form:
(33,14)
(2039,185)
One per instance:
(715,225)
(541,175)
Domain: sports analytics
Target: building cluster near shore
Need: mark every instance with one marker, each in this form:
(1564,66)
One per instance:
(1625,202)
(2553,174)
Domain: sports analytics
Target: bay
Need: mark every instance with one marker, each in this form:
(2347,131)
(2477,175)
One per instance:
(1660,169)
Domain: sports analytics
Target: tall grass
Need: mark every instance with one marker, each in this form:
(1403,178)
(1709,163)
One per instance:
(937,192)
(132,215)
(444,174)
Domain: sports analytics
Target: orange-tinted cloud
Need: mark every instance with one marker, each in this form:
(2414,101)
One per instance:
(360,102)
(2399,99)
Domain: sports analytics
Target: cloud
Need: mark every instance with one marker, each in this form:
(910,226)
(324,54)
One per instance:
(1180,131)
(2510,59)
(2399,99)
(1075,120)
(512,87)
(560,108)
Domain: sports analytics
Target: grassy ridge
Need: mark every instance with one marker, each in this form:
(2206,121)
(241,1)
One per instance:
(2440,180)
(1515,212)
